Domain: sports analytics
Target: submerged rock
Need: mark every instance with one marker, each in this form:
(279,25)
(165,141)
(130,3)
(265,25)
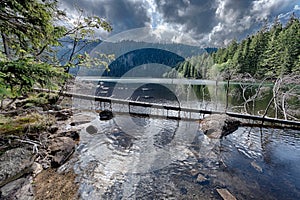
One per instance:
(106,115)
(217,126)
(201,179)
(91,129)
(256,166)
(225,194)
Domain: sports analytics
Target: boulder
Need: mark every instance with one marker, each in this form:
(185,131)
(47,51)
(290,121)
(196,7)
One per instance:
(15,163)
(61,148)
(19,189)
(217,126)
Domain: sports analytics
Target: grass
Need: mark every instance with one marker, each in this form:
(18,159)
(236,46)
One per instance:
(20,125)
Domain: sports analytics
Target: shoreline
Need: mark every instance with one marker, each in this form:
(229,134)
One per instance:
(34,143)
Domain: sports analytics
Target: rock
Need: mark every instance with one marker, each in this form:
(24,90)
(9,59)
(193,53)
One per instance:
(217,126)
(225,194)
(20,189)
(194,172)
(82,118)
(14,163)
(45,165)
(91,129)
(61,148)
(256,166)
(36,168)
(201,178)
(79,123)
(62,115)
(74,134)
(106,115)
(53,129)
(56,107)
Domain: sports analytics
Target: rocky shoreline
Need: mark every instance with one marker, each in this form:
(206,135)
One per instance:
(37,140)
(34,142)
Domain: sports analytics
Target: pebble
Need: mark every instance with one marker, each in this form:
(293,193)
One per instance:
(256,166)
(201,178)
(225,194)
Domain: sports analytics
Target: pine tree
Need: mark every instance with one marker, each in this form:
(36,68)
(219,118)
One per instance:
(231,49)
(291,39)
(270,60)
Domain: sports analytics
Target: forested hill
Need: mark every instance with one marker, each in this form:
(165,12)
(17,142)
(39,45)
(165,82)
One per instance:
(132,53)
(272,51)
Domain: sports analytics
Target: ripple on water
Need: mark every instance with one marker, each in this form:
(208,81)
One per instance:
(148,158)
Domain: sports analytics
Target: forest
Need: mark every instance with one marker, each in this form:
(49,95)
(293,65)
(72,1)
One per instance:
(33,33)
(32,36)
(272,52)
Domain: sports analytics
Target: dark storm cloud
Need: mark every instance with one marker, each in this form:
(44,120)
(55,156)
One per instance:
(216,22)
(122,14)
(211,22)
(194,15)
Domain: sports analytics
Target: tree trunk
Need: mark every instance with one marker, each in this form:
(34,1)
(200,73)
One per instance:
(5,45)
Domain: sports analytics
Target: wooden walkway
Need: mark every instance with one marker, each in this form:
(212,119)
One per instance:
(178,109)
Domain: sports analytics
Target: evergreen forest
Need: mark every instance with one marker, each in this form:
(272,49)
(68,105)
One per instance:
(273,51)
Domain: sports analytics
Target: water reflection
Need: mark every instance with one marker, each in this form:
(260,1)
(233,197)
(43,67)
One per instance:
(133,157)
(171,159)
(203,94)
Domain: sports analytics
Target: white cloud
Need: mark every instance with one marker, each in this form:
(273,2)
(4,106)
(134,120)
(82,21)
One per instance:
(262,9)
(211,22)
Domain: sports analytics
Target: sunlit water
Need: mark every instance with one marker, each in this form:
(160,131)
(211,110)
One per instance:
(162,159)
(134,157)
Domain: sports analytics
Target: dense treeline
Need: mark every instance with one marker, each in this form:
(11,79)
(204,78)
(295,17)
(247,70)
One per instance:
(271,51)
(196,67)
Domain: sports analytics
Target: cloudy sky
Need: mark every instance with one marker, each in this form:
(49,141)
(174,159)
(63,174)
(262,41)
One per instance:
(209,22)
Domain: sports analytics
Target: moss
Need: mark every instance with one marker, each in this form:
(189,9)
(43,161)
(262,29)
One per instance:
(28,105)
(19,125)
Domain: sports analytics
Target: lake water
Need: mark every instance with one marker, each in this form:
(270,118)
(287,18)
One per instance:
(132,157)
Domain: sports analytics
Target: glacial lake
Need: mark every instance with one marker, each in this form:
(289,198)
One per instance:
(135,157)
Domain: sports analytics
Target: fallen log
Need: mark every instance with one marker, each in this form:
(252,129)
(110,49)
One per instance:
(261,120)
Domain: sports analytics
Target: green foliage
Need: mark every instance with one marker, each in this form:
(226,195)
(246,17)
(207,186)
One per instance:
(18,77)
(195,67)
(79,29)
(270,52)
(27,26)
(29,32)
(43,100)
(99,60)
